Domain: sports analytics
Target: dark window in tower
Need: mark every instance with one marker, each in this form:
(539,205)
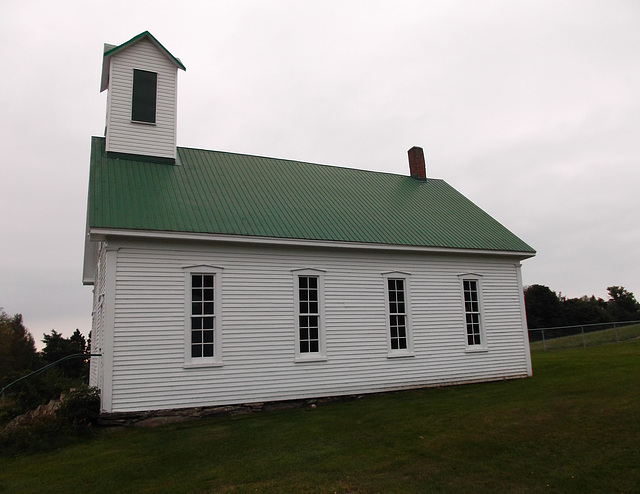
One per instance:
(143,102)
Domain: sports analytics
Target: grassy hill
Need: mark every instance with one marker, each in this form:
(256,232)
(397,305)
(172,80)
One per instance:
(592,336)
(573,427)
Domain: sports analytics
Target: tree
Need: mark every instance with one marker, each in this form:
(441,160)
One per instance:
(622,304)
(584,310)
(17,348)
(543,306)
(57,346)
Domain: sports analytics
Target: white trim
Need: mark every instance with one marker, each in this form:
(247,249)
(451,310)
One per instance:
(404,352)
(100,233)
(525,326)
(321,354)
(216,360)
(482,347)
(109,327)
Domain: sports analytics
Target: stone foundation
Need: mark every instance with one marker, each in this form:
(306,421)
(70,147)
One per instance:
(162,417)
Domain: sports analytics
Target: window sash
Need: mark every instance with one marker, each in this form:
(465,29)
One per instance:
(203,316)
(472,312)
(397,314)
(308,314)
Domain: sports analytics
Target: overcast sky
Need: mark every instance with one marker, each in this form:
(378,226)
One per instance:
(529,108)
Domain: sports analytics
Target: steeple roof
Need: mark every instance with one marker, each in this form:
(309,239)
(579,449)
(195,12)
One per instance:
(111,50)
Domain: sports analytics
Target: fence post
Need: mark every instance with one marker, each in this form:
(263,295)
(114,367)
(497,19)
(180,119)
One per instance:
(544,343)
(615,330)
(584,342)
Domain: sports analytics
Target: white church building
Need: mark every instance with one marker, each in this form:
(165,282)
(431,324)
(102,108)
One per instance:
(222,278)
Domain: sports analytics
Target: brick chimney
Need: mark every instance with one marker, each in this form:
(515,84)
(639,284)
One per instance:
(417,167)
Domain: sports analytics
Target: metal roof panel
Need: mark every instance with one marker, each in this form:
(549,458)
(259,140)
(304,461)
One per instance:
(225,193)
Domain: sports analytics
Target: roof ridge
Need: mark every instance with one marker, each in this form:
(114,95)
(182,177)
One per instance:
(290,160)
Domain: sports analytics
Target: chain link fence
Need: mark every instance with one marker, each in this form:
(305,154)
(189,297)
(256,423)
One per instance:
(583,335)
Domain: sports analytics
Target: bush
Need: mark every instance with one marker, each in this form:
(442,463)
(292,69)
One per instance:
(80,406)
(45,429)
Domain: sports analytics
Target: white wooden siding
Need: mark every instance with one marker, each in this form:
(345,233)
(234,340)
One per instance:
(96,367)
(257,316)
(125,136)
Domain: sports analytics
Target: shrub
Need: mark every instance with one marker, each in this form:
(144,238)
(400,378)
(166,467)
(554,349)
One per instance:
(45,429)
(80,406)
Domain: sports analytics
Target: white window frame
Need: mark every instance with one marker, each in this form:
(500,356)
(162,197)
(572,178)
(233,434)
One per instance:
(216,359)
(473,347)
(405,277)
(321,354)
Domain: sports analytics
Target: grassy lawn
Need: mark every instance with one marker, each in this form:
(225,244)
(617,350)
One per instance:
(592,338)
(573,427)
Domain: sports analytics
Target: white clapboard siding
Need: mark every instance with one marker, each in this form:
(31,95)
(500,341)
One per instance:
(257,318)
(96,367)
(125,136)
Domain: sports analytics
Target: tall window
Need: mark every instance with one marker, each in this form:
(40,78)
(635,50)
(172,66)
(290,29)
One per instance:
(473,316)
(143,101)
(397,314)
(202,315)
(399,337)
(310,338)
(203,336)
(309,316)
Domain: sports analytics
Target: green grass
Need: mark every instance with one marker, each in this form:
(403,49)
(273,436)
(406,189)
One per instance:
(573,427)
(594,338)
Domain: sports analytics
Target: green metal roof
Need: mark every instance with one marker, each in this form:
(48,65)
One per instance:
(213,192)
(135,39)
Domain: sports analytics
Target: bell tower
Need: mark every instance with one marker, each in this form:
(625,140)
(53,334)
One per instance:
(141,76)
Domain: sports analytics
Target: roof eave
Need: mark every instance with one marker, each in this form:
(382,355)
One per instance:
(101,233)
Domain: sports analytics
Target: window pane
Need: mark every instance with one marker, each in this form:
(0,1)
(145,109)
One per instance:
(302,280)
(313,346)
(196,351)
(313,282)
(313,333)
(208,350)
(208,336)
(196,337)
(208,308)
(402,331)
(304,346)
(313,307)
(304,332)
